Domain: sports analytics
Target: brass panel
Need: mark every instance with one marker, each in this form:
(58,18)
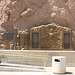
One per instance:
(51,37)
(23,40)
(66,40)
(35,40)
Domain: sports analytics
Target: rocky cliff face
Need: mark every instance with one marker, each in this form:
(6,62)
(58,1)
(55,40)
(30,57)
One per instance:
(24,14)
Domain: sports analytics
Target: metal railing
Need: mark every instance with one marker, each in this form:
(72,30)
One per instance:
(25,56)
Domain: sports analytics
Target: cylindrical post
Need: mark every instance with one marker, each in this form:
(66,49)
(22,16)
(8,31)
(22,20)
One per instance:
(3,45)
(44,63)
(21,61)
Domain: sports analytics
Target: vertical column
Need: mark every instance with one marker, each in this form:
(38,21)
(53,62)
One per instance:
(4,45)
(14,42)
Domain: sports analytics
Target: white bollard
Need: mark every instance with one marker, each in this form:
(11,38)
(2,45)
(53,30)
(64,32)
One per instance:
(59,64)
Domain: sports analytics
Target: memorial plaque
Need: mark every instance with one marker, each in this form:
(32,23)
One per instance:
(66,40)
(9,36)
(22,40)
(35,40)
(51,38)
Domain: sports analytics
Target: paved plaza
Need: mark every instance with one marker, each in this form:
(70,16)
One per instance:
(6,68)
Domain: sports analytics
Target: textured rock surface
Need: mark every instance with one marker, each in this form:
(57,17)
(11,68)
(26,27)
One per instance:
(24,14)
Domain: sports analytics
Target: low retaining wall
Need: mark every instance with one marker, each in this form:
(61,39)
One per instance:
(70,55)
